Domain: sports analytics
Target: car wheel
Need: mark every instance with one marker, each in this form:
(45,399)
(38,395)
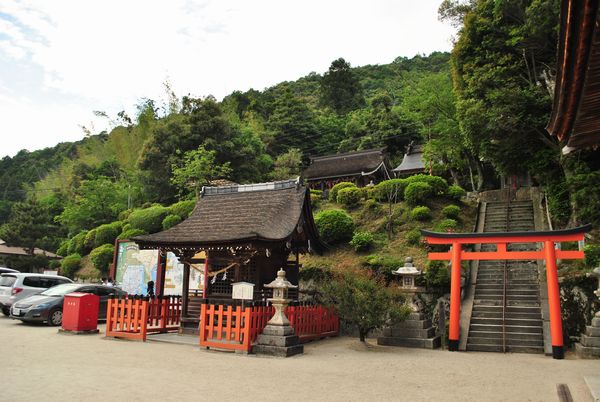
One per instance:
(6,311)
(55,317)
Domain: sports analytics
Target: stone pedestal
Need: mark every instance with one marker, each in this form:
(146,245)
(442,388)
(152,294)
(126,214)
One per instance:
(589,345)
(279,341)
(414,332)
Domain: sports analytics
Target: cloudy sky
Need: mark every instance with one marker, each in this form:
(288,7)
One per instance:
(61,60)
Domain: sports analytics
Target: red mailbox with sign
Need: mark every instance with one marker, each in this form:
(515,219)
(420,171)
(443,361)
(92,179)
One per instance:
(80,312)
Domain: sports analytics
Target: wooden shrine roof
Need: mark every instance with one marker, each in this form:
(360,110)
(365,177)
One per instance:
(575,118)
(347,164)
(412,161)
(268,212)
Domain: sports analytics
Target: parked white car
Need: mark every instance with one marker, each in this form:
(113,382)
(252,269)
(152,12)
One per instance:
(17,286)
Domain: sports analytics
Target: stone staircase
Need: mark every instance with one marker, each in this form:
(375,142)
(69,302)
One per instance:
(508,321)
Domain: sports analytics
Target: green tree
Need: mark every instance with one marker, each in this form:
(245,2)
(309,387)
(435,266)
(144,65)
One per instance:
(340,89)
(30,225)
(196,169)
(287,165)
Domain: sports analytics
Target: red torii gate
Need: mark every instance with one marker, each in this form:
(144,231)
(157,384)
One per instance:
(502,239)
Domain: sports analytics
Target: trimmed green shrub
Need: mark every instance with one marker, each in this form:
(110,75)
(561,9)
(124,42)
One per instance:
(446,225)
(70,264)
(437,275)
(54,264)
(123,215)
(315,201)
(126,227)
(170,221)
(149,219)
(334,190)
(362,241)
(77,244)
(383,264)
(456,192)
(349,196)
(420,213)
(451,211)
(316,193)
(592,255)
(417,192)
(63,249)
(438,184)
(413,237)
(182,208)
(102,257)
(393,188)
(106,234)
(372,205)
(128,234)
(335,225)
(90,239)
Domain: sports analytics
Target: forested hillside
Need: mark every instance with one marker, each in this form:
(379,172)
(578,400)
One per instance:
(481,111)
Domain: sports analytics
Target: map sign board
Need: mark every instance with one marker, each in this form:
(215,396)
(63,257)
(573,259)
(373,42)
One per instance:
(134,268)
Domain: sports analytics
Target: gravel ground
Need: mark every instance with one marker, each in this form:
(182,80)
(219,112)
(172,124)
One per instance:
(37,363)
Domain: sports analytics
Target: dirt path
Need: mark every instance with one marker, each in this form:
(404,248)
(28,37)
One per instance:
(36,363)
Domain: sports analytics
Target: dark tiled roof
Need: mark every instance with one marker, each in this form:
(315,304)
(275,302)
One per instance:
(575,119)
(266,211)
(348,164)
(412,161)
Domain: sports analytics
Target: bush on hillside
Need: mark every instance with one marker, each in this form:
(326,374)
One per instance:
(416,193)
(420,213)
(123,215)
(446,225)
(439,184)
(90,239)
(106,234)
(335,225)
(102,257)
(128,234)
(451,211)
(393,188)
(372,206)
(349,196)
(182,209)
(69,265)
(592,255)
(334,190)
(316,193)
(63,249)
(170,221)
(384,264)
(437,275)
(413,237)
(77,244)
(456,192)
(149,219)
(362,241)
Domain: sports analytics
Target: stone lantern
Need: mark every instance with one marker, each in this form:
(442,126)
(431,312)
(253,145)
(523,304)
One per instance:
(408,274)
(416,331)
(279,301)
(277,338)
(589,346)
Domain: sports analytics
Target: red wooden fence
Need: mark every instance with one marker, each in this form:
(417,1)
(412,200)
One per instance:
(135,317)
(237,328)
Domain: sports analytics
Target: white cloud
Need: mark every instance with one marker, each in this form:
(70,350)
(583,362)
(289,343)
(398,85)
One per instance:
(105,55)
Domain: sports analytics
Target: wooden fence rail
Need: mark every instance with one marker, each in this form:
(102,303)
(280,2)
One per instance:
(237,327)
(135,317)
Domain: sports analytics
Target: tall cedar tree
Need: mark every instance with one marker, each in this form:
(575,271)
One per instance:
(340,89)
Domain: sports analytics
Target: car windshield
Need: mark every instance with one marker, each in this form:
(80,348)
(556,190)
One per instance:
(7,280)
(61,290)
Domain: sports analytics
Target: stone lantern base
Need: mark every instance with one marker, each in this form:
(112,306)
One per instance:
(589,346)
(277,340)
(415,332)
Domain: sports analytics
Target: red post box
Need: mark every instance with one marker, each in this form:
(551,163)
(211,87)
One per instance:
(80,312)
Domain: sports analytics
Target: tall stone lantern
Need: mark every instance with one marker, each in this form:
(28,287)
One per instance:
(278,339)
(407,275)
(589,346)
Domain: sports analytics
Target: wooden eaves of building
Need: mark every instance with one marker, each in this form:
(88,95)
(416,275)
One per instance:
(412,162)
(575,118)
(7,250)
(248,233)
(360,167)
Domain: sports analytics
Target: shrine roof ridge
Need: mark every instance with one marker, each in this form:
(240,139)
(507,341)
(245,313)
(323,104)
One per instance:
(244,188)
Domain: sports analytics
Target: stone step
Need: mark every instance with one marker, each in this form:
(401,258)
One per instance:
(510,348)
(510,309)
(509,292)
(490,286)
(498,314)
(507,321)
(509,342)
(508,328)
(509,335)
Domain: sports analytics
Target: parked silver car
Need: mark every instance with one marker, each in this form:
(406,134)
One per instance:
(17,286)
(48,306)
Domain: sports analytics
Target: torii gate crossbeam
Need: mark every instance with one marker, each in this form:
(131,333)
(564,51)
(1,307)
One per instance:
(548,253)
